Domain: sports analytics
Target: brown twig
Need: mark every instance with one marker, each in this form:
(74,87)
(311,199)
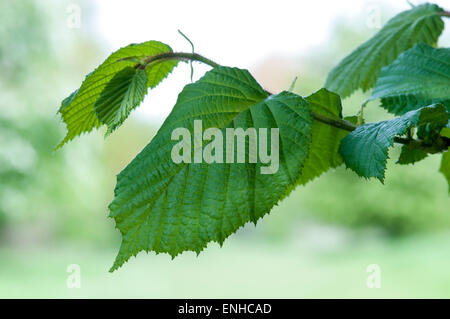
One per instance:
(338,123)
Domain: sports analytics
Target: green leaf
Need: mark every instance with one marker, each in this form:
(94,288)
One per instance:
(446,131)
(361,68)
(77,110)
(68,100)
(419,77)
(411,154)
(445,167)
(166,207)
(122,94)
(323,153)
(365,150)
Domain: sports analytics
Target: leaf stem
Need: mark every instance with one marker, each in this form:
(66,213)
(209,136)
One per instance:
(338,123)
(342,124)
(182,56)
(445,13)
(348,126)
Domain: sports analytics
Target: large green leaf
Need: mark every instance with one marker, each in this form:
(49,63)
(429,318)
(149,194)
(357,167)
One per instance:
(78,111)
(166,207)
(323,153)
(365,150)
(445,167)
(122,94)
(419,77)
(361,68)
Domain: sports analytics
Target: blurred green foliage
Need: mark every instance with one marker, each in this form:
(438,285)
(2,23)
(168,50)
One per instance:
(24,32)
(44,195)
(413,200)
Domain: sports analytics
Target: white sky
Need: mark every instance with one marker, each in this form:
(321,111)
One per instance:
(233,32)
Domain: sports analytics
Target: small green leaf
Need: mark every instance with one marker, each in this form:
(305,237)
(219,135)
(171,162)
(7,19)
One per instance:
(445,167)
(365,150)
(419,77)
(411,154)
(163,206)
(446,131)
(323,153)
(122,94)
(78,111)
(361,68)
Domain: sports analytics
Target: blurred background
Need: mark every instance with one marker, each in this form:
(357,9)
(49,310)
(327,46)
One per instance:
(318,242)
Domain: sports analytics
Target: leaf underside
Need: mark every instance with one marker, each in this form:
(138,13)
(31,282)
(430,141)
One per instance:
(122,94)
(365,150)
(419,77)
(78,111)
(165,207)
(361,68)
